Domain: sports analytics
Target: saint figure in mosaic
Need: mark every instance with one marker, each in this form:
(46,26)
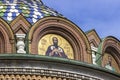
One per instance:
(109,64)
(55,50)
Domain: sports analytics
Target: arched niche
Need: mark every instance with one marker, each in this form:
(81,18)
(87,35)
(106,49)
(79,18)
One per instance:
(2,43)
(7,38)
(110,47)
(114,63)
(64,28)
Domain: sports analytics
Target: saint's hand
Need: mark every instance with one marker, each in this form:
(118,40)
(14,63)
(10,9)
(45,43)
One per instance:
(54,51)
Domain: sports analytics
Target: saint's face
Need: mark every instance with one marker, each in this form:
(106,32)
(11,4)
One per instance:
(109,59)
(55,41)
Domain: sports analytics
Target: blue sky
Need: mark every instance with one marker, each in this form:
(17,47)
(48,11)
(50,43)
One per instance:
(101,15)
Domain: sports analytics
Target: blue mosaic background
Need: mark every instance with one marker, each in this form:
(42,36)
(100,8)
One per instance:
(33,10)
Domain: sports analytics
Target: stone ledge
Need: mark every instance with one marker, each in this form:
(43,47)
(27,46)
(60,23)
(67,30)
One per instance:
(53,63)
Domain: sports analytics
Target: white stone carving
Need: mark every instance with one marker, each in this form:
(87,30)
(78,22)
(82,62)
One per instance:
(20,43)
(94,50)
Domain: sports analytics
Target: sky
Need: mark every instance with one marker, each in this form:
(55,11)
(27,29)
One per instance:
(101,15)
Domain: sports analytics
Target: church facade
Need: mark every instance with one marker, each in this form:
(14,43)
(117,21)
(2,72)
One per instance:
(38,43)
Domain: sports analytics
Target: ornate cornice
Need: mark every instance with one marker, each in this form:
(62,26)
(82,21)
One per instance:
(20,64)
(46,72)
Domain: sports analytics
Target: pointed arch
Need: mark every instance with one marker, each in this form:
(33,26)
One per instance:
(61,26)
(94,41)
(93,37)
(20,25)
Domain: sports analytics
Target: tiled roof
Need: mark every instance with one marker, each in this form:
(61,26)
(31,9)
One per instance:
(32,10)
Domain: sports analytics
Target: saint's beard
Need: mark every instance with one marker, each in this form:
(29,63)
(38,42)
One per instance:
(56,45)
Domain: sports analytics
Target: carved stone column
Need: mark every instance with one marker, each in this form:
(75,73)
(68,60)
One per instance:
(20,43)
(94,51)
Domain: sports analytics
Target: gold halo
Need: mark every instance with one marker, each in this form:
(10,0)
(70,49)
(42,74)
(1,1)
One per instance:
(59,39)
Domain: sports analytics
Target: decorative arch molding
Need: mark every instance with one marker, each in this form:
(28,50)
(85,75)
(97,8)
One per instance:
(93,37)
(8,37)
(110,45)
(20,25)
(64,28)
